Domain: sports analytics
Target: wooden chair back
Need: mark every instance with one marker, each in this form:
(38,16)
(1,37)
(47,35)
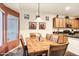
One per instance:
(22,41)
(62,39)
(65,38)
(48,36)
(57,50)
(32,35)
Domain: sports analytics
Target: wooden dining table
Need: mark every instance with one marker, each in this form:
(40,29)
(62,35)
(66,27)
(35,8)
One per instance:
(36,47)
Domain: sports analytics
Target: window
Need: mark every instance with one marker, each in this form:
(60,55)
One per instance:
(1,28)
(12,27)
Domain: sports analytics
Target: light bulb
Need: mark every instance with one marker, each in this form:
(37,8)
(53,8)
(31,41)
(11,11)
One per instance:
(67,8)
(38,18)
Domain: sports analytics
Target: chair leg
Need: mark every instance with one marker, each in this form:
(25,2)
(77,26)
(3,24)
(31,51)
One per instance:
(25,52)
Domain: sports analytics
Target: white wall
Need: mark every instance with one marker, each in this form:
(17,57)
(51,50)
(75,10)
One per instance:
(24,24)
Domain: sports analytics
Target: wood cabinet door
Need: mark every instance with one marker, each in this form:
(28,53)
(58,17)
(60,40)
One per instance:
(76,24)
(60,23)
(63,23)
(57,22)
(72,23)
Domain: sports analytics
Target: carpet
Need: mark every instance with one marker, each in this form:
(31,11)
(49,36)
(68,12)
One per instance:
(19,52)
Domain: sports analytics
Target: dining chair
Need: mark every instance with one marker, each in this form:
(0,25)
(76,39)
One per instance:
(54,37)
(65,38)
(32,35)
(38,35)
(40,53)
(62,39)
(48,36)
(58,50)
(25,50)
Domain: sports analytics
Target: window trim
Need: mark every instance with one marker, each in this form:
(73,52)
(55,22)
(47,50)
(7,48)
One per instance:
(2,27)
(6,10)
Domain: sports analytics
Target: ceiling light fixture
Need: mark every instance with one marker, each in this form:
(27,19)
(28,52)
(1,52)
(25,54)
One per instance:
(38,16)
(67,8)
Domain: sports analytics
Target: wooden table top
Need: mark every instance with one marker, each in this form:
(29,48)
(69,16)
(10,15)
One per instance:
(34,45)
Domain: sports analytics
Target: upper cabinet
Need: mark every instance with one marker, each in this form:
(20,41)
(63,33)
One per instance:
(59,23)
(56,22)
(75,23)
(62,23)
(65,23)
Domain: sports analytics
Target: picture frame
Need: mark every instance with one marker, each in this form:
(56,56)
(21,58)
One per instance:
(26,16)
(42,25)
(32,25)
(47,18)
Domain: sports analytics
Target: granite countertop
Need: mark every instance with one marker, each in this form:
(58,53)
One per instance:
(74,36)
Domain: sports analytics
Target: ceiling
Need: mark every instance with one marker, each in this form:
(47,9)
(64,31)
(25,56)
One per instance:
(52,8)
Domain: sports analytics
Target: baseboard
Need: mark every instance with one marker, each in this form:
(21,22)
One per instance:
(11,50)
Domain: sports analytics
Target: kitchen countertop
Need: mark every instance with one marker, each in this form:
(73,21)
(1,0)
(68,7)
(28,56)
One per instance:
(70,35)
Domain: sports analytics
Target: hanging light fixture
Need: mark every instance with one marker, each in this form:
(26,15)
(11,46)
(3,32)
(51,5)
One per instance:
(38,16)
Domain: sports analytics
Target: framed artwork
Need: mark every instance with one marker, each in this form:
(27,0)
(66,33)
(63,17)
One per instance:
(47,17)
(42,25)
(32,25)
(26,16)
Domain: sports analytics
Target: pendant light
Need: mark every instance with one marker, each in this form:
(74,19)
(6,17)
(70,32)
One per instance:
(38,16)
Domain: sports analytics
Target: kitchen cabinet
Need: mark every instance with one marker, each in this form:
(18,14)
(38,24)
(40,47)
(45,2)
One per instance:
(65,23)
(59,23)
(75,23)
